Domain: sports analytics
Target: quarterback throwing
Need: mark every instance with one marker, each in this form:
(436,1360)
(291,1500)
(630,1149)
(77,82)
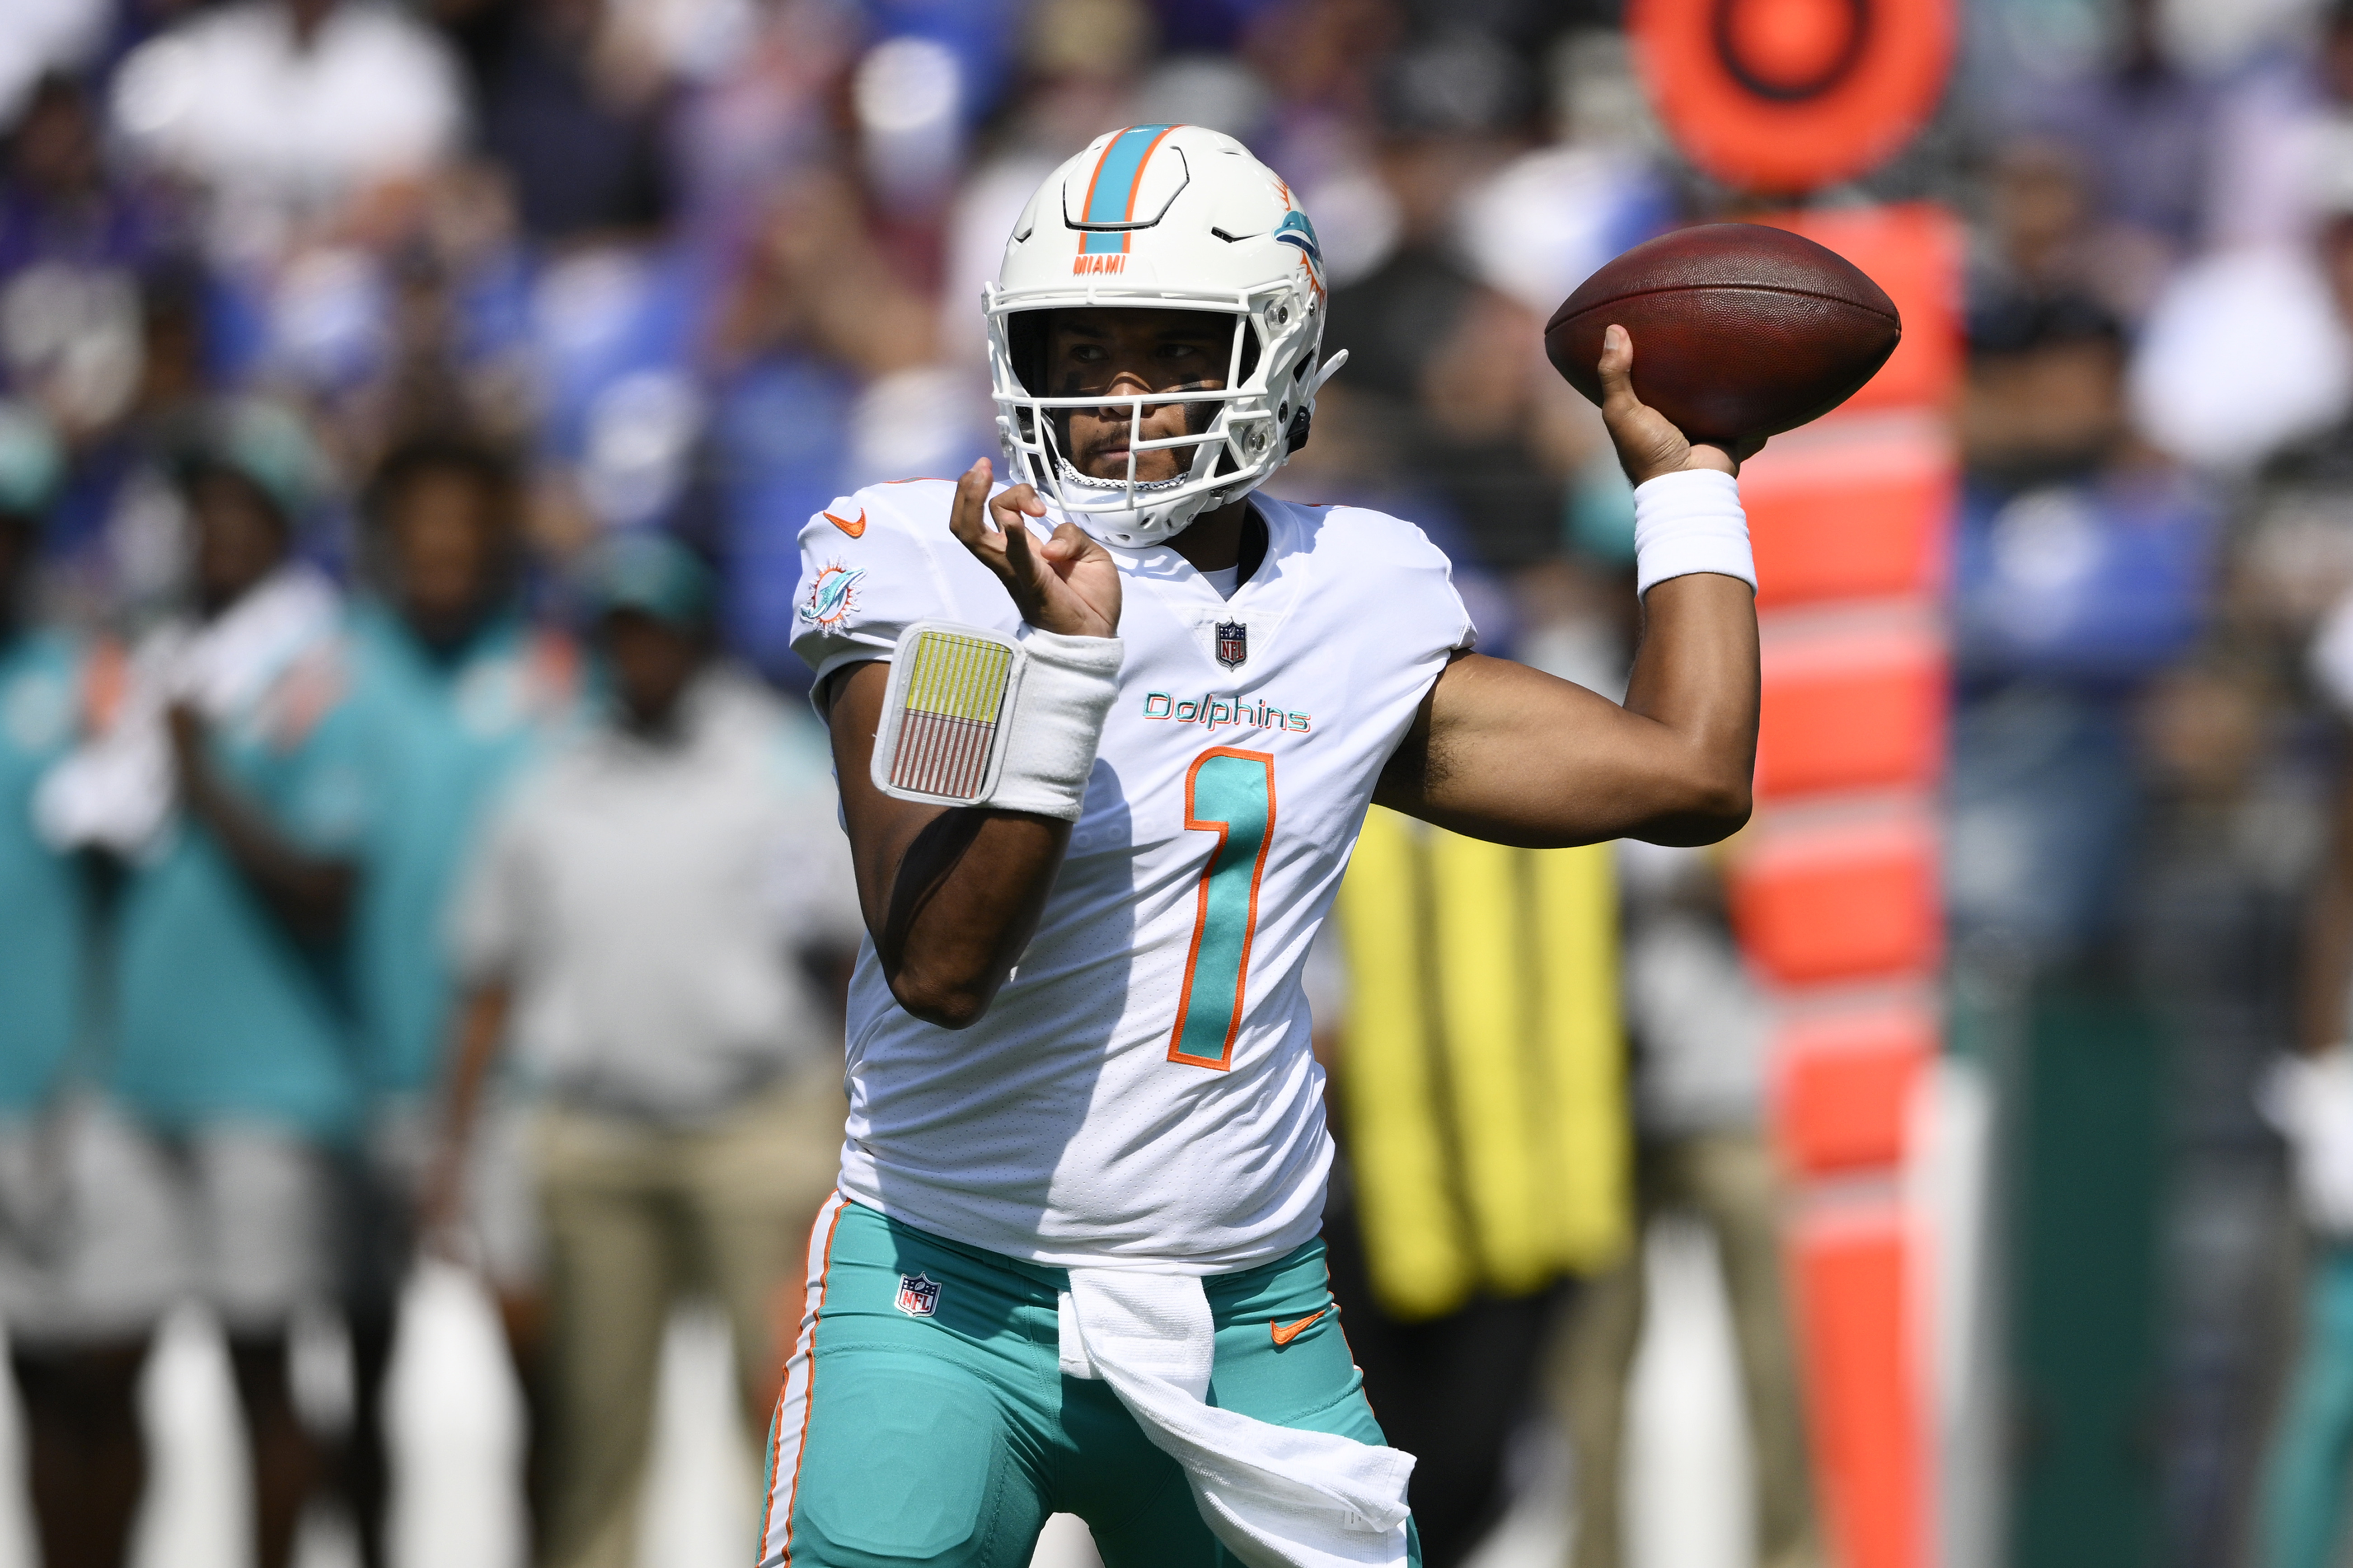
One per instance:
(1105,737)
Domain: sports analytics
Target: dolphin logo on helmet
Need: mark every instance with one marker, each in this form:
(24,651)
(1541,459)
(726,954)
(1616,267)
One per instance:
(1164,217)
(1294,229)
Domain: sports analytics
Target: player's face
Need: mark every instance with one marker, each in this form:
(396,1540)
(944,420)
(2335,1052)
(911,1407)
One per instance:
(1124,351)
(239,539)
(444,532)
(18,537)
(651,661)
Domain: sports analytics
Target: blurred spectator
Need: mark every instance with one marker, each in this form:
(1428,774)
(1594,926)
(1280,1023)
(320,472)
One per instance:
(78,1320)
(285,113)
(2046,241)
(42,687)
(1553,214)
(766,111)
(446,339)
(457,690)
(72,244)
(2217,889)
(831,381)
(1699,1026)
(2249,350)
(2310,1096)
(45,36)
(2278,130)
(2042,401)
(59,201)
(2083,568)
(573,109)
(2139,127)
(235,789)
(118,545)
(1490,430)
(637,923)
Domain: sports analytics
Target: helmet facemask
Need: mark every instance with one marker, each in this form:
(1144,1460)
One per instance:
(1234,439)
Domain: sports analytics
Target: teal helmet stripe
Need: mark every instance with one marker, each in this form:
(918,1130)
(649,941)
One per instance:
(1111,194)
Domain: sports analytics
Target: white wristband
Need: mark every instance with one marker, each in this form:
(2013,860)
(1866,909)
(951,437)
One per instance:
(1690,521)
(972,717)
(1066,693)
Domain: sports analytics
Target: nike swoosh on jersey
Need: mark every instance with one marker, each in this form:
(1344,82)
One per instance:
(1285,1332)
(856,530)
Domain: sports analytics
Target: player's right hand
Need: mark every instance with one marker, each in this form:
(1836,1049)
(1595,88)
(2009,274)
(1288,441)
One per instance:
(1648,446)
(1069,584)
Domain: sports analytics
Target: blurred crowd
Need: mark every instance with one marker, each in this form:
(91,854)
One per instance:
(409,833)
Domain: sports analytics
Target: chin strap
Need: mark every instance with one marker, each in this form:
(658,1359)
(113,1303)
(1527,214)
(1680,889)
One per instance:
(1071,475)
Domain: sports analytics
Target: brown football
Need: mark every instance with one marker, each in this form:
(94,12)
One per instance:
(1739,331)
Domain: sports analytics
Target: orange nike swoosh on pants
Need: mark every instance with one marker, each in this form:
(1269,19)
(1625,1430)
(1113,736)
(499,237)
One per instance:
(1285,1332)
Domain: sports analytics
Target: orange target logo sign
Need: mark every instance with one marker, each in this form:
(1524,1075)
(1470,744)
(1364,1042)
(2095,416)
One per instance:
(1783,96)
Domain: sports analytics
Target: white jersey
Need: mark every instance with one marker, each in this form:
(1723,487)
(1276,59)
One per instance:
(1143,1091)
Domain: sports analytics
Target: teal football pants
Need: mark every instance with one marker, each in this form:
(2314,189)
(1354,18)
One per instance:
(926,1417)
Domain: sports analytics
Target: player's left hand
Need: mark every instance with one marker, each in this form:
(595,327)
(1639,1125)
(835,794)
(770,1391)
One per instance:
(1647,445)
(1069,584)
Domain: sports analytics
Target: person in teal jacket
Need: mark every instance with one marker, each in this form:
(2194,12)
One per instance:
(457,688)
(78,1321)
(236,792)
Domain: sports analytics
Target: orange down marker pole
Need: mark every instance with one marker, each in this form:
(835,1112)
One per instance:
(1836,890)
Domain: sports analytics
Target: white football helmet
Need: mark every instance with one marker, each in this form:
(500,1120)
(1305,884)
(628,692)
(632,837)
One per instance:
(1163,217)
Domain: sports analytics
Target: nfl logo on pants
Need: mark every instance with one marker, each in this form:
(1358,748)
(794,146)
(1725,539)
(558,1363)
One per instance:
(1233,643)
(919,1295)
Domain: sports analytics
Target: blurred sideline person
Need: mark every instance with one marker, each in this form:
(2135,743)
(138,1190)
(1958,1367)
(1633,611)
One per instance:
(288,113)
(2310,1098)
(636,924)
(235,790)
(76,1336)
(1699,1029)
(457,690)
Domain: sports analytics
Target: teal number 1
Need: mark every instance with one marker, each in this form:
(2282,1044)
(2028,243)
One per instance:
(1229,794)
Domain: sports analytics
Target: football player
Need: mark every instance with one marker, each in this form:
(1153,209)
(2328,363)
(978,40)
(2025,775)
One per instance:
(1104,739)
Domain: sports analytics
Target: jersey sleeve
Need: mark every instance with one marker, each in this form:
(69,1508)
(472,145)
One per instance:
(1413,578)
(870,569)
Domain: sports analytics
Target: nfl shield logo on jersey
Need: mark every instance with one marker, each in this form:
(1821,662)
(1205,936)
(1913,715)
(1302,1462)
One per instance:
(919,1295)
(1233,643)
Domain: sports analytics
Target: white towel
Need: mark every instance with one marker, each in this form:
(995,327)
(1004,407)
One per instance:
(1278,1497)
(2310,1099)
(116,790)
